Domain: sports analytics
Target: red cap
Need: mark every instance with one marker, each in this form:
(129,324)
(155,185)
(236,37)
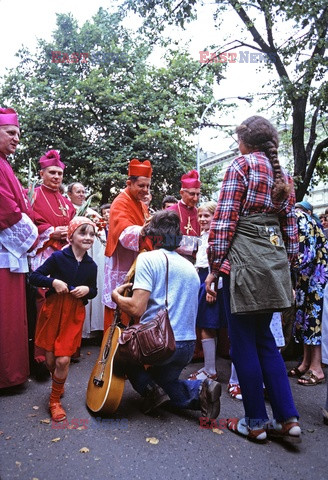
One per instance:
(76,222)
(190,180)
(139,169)
(8,116)
(51,159)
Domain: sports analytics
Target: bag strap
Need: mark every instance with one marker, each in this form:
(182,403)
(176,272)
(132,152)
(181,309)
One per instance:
(166,280)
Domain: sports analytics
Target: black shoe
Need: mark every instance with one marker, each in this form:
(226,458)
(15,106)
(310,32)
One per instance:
(154,397)
(209,398)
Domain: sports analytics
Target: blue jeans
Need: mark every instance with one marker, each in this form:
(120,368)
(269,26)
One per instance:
(182,393)
(257,360)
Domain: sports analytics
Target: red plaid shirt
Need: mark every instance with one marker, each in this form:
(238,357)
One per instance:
(246,190)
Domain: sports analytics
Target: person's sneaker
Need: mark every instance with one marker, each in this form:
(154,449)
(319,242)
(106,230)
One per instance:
(202,375)
(209,398)
(154,397)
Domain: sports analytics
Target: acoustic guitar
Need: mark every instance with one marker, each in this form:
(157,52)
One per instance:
(106,383)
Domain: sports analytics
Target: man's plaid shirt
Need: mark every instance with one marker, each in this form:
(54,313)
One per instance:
(246,190)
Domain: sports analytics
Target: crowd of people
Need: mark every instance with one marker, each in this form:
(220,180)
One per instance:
(237,264)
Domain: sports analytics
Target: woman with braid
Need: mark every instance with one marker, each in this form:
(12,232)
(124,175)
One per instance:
(253,241)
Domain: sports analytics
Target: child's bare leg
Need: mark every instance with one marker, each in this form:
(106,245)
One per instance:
(62,366)
(50,361)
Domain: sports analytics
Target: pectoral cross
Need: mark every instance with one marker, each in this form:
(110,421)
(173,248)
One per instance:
(63,209)
(188,227)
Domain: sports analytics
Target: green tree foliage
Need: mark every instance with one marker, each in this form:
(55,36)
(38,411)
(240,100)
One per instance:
(92,94)
(293,35)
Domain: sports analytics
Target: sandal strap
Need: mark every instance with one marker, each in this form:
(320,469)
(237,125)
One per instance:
(58,414)
(286,427)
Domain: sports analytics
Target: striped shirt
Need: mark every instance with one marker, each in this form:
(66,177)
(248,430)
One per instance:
(246,190)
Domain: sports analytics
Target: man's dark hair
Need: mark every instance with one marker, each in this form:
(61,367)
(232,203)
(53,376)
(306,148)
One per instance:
(164,230)
(169,199)
(105,205)
(133,178)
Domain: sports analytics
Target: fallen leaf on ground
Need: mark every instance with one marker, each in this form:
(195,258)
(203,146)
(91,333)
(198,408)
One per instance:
(217,430)
(18,464)
(83,427)
(89,353)
(152,440)
(84,450)
(8,438)
(35,407)
(1,432)
(55,439)
(45,420)
(32,414)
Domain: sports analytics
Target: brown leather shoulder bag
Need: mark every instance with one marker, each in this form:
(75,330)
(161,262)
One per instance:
(151,342)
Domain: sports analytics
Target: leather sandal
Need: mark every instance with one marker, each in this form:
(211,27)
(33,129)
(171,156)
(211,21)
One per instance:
(254,435)
(57,412)
(202,374)
(309,379)
(296,372)
(234,391)
(289,432)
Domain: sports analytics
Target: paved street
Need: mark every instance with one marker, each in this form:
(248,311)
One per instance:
(32,449)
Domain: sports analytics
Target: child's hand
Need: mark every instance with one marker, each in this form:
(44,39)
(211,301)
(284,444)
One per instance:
(211,284)
(209,298)
(60,286)
(81,291)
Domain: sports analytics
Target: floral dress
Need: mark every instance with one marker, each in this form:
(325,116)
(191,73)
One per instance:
(312,276)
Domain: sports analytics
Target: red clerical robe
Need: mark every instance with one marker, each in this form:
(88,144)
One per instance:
(188,219)
(127,216)
(17,236)
(51,210)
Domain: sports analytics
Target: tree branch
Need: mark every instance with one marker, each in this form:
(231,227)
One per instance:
(316,154)
(313,135)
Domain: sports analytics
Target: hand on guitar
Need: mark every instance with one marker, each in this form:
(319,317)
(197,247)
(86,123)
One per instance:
(122,290)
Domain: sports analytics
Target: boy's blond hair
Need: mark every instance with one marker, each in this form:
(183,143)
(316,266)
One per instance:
(210,206)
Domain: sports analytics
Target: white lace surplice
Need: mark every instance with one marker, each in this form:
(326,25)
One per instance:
(118,265)
(15,241)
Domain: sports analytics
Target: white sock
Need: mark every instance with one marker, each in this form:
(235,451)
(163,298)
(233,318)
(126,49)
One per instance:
(233,376)
(209,349)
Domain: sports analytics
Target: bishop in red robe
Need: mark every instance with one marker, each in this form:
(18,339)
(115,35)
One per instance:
(187,211)
(18,234)
(52,214)
(128,214)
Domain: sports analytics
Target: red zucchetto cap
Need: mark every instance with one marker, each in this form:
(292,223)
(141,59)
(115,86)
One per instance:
(139,169)
(8,116)
(51,159)
(190,180)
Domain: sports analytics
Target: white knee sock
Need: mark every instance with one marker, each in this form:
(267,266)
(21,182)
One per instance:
(209,349)
(233,377)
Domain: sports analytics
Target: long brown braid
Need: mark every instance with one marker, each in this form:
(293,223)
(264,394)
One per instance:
(258,134)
